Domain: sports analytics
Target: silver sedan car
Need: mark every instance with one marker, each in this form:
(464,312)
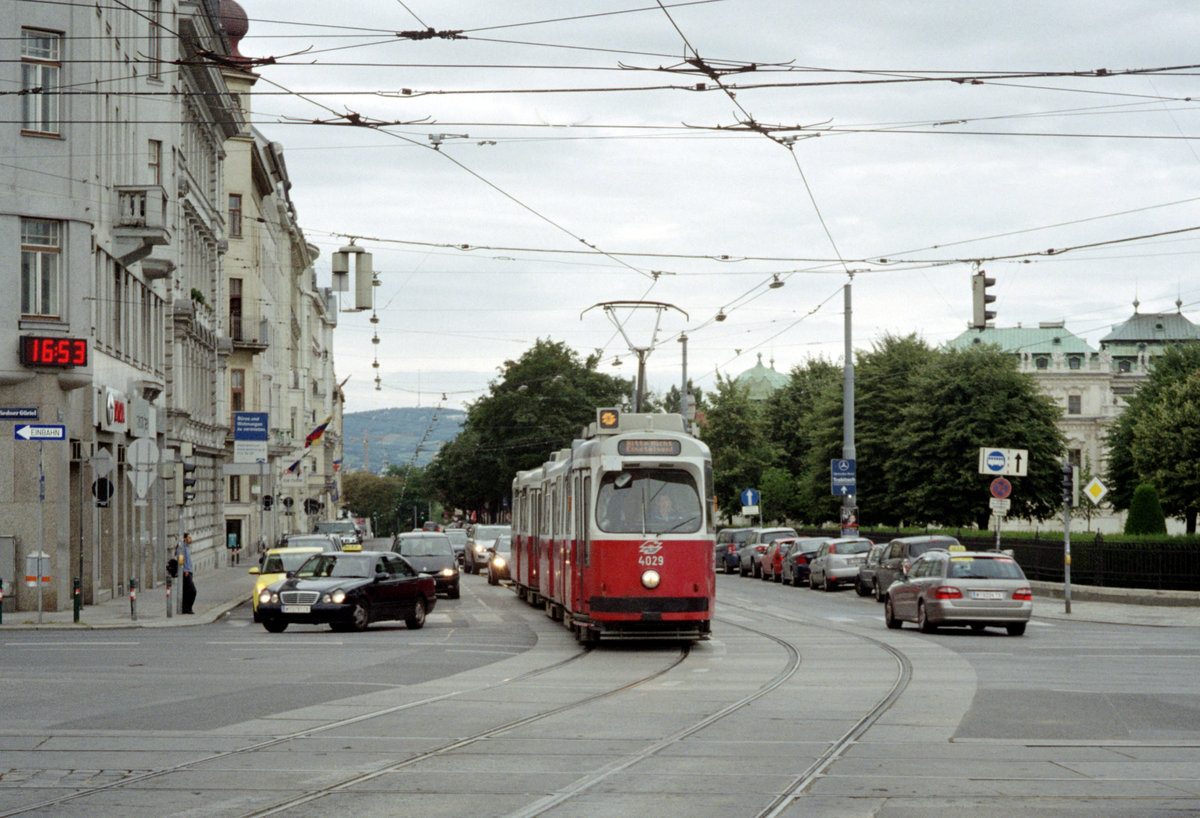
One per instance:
(837,561)
(961,588)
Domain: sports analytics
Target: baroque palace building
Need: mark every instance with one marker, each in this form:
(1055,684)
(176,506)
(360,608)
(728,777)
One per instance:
(148,315)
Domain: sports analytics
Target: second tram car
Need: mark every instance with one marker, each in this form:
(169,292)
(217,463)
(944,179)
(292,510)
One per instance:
(614,536)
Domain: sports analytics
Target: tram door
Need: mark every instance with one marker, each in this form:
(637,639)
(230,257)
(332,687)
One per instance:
(581,542)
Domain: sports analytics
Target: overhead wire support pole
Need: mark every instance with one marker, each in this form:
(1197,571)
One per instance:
(642,353)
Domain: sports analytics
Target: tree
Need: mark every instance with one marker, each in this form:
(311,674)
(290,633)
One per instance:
(1156,439)
(537,405)
(963,400)
(1145,514)
(736,434)
(791,418)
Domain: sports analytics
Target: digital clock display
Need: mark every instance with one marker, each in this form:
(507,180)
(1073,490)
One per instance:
(47,350)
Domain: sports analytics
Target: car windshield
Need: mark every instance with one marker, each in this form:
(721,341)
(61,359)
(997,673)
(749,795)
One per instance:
(284,562)
(984,568)
(850,547)
(772,536)
(337,565)
(425,547)
(489,532)
(917,548)
(308,541)
(458,536)
(637,501)
(337,527)
(503,544)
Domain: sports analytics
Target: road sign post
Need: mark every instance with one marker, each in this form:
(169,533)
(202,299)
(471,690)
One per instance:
(997,462)
(842,479)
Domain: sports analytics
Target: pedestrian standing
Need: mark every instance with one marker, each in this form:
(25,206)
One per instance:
(189,583)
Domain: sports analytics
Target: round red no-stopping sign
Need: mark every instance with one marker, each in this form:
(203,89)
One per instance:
(1001,488)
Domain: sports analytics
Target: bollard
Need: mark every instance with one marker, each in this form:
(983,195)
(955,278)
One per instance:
(133,599)
(77,596)
(168,597)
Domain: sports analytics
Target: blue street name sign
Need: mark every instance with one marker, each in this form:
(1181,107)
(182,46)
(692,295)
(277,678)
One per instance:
(40,431)
(18,413)
(842,480)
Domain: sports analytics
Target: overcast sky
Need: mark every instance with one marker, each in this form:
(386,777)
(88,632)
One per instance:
(581,165)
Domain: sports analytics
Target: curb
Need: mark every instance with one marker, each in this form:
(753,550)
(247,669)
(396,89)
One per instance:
(1124,596)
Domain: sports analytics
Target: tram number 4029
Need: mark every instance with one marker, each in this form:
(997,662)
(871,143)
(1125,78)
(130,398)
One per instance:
(650,560)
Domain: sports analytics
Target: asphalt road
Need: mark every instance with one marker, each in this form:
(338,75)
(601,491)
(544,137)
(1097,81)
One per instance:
(802,703)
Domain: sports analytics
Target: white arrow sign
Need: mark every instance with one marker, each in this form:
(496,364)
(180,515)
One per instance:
(45,431)
(141,479)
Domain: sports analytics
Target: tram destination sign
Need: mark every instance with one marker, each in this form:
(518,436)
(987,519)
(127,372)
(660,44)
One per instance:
(649,446)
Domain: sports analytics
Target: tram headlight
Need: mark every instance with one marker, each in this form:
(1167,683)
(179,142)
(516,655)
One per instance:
(650,579)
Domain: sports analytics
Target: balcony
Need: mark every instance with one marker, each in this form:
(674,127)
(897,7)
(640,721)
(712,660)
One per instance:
(141,223)
(241,332)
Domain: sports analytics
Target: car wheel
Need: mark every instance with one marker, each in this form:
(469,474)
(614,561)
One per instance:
(454,592)
(1015,628)
(878,590)
(860,588)
(827,584)
(889,616)
(812,582)
(757,569)
(923,620)
(360,618)
(417,620)
(492,579)
(275,625)
(977,626)
(742,570)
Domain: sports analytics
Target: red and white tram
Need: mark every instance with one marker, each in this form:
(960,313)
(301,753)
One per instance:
(614,536)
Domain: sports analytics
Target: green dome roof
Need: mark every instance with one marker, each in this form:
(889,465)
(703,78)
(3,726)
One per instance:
(761,381)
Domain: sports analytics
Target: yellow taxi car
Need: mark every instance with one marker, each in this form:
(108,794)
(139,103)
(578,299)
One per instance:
(275,565)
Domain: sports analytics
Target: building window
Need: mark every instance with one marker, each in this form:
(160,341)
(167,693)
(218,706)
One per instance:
(235,215)
(1075,457)
(1075,363)
(154,149)
(41,254)
(1042,363)
(41,66)
(1123,366)
(237,390)
(235,308)
(235,488)
(1074,406)
(154,52)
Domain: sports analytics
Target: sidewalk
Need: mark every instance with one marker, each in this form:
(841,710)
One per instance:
(218,591)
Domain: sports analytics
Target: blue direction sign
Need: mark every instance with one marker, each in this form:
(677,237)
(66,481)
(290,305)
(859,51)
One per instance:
(842,480)
(18,413)
(40,431)
(750,497)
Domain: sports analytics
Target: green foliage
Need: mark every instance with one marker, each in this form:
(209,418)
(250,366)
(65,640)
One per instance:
(537,405)
(1157,438)
(389,500)
(736,434)
(1145,513)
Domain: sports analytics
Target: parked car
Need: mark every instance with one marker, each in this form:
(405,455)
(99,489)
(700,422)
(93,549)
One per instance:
(964,588)
(864,583)
(795,565)
(750,555)
(837,561)
(773,557)
(430,552)
(458,539)
(725,553)
(346,529)
(275,566)
(348,591)
(499,555)
(899,556)
(479,539)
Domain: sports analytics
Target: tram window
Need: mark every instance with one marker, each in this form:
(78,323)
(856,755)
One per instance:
(658,501)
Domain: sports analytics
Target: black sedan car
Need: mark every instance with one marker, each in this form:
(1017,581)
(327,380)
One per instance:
(431,552)
(348,591)
(499,555)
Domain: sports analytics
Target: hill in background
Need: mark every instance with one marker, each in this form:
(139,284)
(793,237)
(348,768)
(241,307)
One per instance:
(392,436)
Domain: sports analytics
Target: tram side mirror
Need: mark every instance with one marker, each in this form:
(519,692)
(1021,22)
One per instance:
(623,480)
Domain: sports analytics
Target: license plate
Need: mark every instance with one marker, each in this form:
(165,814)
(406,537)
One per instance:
(297,609)
(987,595)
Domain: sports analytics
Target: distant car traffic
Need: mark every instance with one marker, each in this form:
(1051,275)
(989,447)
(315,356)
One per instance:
(773,558)
(864,583)
(458,539)
(346,529)
(794,570)
(964,588)
(837,561)
(430,552)
(899,556)
(348,591)
(479,540)
(500,554)
(325,542)
(275,565)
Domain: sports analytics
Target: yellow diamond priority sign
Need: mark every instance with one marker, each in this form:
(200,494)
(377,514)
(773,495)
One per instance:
(1095,490)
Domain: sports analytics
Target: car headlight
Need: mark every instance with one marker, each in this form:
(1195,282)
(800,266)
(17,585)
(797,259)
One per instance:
(479,549)
(651,579)
(499,562)
(447,572)
(265,596)
(337,597)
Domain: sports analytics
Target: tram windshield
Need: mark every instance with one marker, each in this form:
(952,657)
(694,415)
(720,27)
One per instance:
(645,501)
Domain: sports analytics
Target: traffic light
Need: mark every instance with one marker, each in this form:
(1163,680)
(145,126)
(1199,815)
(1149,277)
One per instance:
(980,298)
(268,501)
(1069,497)
(185,477)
